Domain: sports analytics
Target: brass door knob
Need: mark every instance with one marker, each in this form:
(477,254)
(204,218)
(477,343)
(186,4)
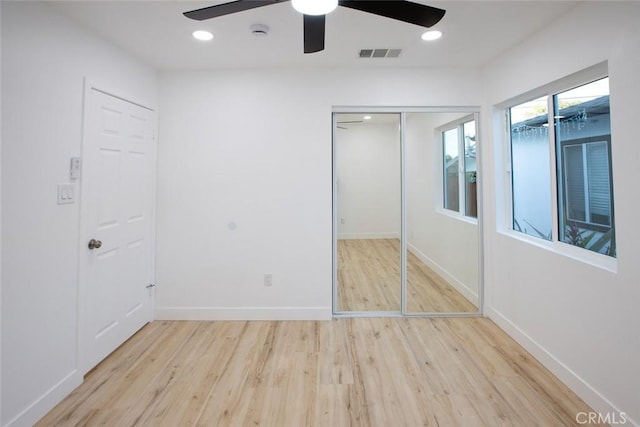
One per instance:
(94,244)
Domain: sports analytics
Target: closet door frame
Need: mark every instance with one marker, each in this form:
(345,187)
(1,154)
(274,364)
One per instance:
(403,220)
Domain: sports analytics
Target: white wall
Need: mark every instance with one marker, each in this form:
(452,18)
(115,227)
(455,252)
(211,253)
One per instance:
(44,60)
(368,174)
(580,320)
(448,244)
(253,147)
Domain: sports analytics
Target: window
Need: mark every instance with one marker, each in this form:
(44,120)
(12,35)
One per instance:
(583,153)
(586,186)
(580,141)
(530,171)
(459,167)
(450,141)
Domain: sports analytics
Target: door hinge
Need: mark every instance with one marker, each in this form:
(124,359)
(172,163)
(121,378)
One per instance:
(151,285)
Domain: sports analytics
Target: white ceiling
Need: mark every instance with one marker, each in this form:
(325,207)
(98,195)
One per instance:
(157,32)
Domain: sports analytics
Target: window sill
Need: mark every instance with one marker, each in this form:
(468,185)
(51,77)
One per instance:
(584,256)
(457,216)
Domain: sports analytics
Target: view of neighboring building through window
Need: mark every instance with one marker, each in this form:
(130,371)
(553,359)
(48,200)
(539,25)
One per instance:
(451,149)
(582,140)
(470,170)
(583,153)
(460,174)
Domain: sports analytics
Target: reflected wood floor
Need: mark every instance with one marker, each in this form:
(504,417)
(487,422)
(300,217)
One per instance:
(365,372)
(369,280)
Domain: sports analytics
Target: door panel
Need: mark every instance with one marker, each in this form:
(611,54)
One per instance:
(368,176)
(442,239)
(118,187)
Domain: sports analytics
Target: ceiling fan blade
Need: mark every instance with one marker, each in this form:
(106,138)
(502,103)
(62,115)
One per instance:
(405,11)
(313,33)
(228,8)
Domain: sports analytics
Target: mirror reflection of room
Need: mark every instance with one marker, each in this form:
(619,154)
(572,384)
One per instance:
(441,204)
(440,174)
(369,211)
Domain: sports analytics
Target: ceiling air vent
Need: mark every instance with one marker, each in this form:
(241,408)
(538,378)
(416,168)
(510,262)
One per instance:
(379,53)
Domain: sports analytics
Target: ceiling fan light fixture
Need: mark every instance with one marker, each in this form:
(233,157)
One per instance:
(431,35)
(202,35)
(314,7)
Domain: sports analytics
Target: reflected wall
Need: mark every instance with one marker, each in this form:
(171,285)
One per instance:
(442,232)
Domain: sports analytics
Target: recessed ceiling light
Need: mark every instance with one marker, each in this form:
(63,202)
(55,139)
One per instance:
(202,35)
(259,30)
(431,35)
(367,117)
(314,7)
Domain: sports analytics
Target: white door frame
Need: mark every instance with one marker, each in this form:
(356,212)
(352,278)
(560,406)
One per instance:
(83,280)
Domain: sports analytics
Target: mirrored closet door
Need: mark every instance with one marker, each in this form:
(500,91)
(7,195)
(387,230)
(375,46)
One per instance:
(406,233)
(368,172)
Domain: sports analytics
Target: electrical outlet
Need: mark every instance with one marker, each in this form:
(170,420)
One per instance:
(268,279)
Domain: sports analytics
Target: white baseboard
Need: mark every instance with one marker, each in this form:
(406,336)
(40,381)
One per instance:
(366,236)
(586,392)
(458,285)
(243,313)
(38,409)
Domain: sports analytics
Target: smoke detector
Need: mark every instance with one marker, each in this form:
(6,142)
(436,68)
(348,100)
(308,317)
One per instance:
(259,30)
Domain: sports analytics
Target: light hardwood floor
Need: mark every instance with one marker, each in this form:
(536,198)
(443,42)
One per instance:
(365,372)
(369,280)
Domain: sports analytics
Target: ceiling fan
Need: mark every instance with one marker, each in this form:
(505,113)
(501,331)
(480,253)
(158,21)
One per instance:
(314,22)
(347,122)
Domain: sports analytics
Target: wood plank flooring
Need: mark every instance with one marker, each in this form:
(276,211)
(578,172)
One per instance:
(365,372)
(369,280)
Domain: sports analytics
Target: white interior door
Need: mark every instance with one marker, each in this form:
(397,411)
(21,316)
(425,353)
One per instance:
(118,190)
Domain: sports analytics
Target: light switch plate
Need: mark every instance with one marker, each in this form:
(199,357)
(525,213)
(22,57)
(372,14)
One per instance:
(74,168)
(66,194)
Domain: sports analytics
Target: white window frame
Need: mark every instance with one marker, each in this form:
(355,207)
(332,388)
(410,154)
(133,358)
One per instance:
(577,79)
(459,124)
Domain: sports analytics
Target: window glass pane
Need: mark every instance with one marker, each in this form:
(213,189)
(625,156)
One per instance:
(470,169)
(585,196)
(599,182)
(530,168)
(574,184)
(450,148)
